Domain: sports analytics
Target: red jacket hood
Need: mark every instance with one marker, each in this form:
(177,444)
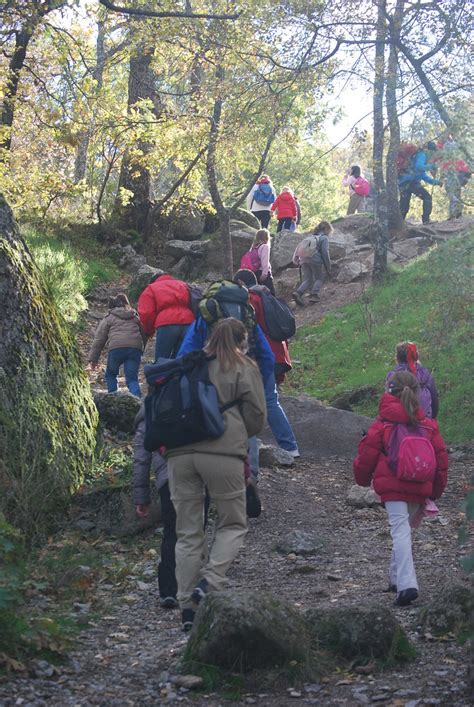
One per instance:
(392,410)
(286,196)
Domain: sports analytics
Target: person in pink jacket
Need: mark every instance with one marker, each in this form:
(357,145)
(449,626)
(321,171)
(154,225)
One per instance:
(285,208)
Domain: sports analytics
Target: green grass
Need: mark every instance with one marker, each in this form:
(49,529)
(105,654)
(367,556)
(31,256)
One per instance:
(430,302)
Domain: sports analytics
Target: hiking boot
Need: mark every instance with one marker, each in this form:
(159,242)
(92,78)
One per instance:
(314,298)
(406,596)
(168,603)
(391,588)
(187,619)
(295,453)
(253,503)
(298,298)
(200,591)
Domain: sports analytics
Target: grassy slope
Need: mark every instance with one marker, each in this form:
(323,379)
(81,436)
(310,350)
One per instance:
(430,302)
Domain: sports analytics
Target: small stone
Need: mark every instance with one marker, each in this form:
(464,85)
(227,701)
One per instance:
(291,557)
(294,693)
(189,682)
(380,698)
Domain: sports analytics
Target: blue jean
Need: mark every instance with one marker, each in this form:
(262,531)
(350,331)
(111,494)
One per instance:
(277,420)
(168,340)
(130,359)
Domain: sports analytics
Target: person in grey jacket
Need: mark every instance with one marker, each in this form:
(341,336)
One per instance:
(312,254)
(121,332)
(142,462)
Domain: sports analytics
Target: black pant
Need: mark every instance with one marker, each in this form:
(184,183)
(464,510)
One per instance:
(268,281)
(263,216)
(406,190)
(166,568)
(284,223)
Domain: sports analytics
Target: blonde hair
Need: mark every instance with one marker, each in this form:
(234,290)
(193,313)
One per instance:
(262,236)
(405,386)
(287,188)
(225,343)
(324,227)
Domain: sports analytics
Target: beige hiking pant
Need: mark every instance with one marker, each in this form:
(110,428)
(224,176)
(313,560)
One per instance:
(224,478)
(356,203)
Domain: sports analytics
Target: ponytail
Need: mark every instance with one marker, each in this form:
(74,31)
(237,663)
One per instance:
(405,386)
(227,342)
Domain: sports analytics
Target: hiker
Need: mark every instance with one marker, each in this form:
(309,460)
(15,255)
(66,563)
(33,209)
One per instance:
(279,348)
(228,299)
(412,170)
(455,175)
(260,199)
(358,187)
(285,209)
(405,456)
(218,465)
(121,332)
(406,355)
(312,255)
(257,259)
(164,306)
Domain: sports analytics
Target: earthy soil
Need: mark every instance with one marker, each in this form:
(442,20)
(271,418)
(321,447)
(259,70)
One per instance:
(131,652)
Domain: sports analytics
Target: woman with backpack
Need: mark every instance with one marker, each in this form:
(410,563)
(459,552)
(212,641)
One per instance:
(359,188)
(121,332)
(312,254)
(285,209)
(218,465)
(405,457)
(260,199)
(257,259)
(407,360)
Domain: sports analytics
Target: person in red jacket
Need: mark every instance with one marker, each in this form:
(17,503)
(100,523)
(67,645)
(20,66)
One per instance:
(164,306)
(279,348)
(402,499)
(285,208)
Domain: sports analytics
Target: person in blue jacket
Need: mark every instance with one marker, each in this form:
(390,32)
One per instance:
(196,337)
(409,181)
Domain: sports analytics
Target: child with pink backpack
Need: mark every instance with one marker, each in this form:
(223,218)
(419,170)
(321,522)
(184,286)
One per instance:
(257,259)
(404,456)
(359,188)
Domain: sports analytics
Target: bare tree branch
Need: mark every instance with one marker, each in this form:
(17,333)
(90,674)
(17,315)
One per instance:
(141,12)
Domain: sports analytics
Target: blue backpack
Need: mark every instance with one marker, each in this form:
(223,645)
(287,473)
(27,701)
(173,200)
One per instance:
(264,194)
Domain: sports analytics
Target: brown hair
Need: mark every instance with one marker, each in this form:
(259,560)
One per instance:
(262,236)
(120,300)
(323,227)
(405,386)
(401,351)
(228,337)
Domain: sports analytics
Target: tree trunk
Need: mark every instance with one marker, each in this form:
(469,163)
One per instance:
(395,220)
(222,214)
(134,173)
(80,163)
(17,61)
(381,230)
(48,418)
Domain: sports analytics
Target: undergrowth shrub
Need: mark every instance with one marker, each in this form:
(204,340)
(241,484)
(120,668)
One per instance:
(65,279)
(11,576)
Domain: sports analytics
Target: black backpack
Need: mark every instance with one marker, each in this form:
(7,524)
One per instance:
(183,407)
(279,320)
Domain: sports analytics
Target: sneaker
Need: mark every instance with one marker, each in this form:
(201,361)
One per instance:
(200,591)
(298,298)
(295,453)
(314,298)
(406,596)
(253,503)
(391,588)
(168,603)
(187,619)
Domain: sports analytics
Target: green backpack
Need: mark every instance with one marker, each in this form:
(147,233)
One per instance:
(225,298)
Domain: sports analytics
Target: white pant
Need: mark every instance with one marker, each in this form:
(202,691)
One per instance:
(402,569)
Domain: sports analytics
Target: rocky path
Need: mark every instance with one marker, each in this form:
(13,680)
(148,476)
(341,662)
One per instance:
(131,653)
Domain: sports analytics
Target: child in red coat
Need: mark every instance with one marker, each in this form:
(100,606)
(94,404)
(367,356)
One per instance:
(402,498)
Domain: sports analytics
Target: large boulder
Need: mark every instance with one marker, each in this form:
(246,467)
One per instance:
(145,275)
(352,270)
(241,243)
(246,629)
(357,226)
(242,226)
(179,248)
(401,251)
(127,257)
(364,633)
(247,217)
(449,611)
(117,411)
(322,431)
(188,224)
(48,430)
(283,247)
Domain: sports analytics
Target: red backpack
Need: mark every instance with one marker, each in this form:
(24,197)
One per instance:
(251,260)
(406,152)
(411,455)
(361,186)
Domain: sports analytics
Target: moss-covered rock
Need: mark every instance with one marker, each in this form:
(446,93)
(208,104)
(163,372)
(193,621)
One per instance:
(449,611)
(246,631)
(48,419)
(117,411)
(359,632)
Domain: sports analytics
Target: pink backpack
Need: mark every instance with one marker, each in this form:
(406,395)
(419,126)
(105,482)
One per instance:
(361,186)
(411,455)
(251,260)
